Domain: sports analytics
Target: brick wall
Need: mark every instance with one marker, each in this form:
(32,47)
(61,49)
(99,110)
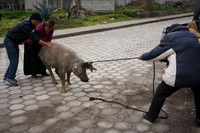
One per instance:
(99,5)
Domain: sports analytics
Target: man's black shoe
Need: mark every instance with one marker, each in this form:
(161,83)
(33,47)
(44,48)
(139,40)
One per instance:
(148,118)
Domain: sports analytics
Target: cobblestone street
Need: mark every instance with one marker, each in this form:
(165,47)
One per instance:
(38,106)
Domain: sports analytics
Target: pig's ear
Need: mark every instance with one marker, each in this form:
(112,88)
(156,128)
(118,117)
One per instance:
(89,66)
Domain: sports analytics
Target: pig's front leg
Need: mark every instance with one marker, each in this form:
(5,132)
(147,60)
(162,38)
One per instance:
(68,78)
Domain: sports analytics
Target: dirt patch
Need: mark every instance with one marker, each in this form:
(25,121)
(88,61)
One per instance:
(68,23)
(41,114)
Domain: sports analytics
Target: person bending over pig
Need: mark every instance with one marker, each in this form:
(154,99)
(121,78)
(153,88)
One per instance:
(15,36)
(32,62)
(181,49)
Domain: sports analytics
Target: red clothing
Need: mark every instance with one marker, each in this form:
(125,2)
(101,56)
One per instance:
(42,35)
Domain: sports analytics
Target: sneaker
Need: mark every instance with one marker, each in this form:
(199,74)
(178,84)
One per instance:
(197,121)
(11,82)
(148,118)
(4,78)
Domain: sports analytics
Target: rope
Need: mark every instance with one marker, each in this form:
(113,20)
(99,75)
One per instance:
(126,106)
(116,59)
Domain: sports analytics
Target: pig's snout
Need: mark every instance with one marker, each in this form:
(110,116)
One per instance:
(85,80)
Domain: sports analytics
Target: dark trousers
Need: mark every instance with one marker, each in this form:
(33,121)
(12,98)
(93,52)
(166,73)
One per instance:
(164,91)
(13,56)
(32,63)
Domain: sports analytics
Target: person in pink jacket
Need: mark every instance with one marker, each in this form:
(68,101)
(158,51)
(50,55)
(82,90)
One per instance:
(32,63)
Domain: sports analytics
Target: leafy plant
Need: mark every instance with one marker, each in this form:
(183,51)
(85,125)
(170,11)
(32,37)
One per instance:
(130,13)
(163,7)
(45,10)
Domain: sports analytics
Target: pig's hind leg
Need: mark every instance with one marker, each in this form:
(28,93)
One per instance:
(56,70)
(51,73)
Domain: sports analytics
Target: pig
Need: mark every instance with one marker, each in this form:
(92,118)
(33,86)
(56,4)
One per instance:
(64,60)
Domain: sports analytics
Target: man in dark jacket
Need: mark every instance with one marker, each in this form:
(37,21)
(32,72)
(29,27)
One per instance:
(15,36)
(181,49)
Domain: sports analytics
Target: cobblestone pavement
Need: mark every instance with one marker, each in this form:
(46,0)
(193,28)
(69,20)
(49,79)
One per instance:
(37,105)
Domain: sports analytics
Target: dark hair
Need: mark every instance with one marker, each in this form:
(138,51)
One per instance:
(173,26)
(36,16)
(50,23)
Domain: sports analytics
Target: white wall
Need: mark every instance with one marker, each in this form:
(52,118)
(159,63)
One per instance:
(29,4)
(96,5)
(99,5)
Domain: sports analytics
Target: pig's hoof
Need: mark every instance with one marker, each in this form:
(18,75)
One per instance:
(63,91)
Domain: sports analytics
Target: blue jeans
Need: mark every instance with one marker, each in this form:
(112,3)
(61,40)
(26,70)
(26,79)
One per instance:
(13,56)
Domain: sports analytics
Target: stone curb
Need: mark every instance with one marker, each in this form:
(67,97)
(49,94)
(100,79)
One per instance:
(111,26)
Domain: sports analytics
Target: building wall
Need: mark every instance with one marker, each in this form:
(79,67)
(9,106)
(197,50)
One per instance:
(99,5)
(29,4)
(93,5)
(122,2)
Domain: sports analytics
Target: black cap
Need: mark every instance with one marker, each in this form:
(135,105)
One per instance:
(36,16)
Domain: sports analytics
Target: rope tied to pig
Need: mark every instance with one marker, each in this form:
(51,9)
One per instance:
(116,59)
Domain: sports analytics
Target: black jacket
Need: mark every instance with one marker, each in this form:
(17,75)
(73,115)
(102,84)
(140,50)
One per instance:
(197,13)
(182,50)
(22,31)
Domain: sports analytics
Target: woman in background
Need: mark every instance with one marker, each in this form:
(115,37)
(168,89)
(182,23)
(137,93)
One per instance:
(32,63)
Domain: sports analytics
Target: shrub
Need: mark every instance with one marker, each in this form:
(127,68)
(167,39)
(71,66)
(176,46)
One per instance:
(45,10)
(129,13)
